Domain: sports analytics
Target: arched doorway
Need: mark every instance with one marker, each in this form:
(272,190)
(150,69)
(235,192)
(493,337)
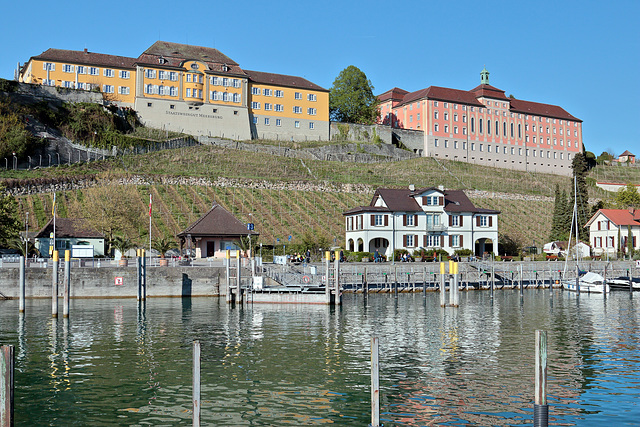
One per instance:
(350,245)
(483,246)
(380,244)
(360,245)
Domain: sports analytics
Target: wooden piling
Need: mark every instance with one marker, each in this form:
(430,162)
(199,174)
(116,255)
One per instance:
(143,274)
(577,280)
(138,276)
(327,287)
(22,285)
(54,285)
(443,291)
(6,385)
(540,407)
(228,281)
(238,278)
(375,383)
(67,283)
(455,295)
(196,384)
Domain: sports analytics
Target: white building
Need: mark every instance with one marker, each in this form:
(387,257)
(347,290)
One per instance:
(430,218)
(609,230)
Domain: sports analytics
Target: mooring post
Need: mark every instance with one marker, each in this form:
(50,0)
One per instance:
(443,295)
(228,282)
(196,383)
(143,274)
(6,385)
(138,281)
(67,283)
(327,287)
(22,285)
(577,280)
(453,294)
(630,283)
(540,407)
(395,281)
(424,282)
(521,282)
(337,299)
(238,278)
(365,285)
(54,285)
(375,383)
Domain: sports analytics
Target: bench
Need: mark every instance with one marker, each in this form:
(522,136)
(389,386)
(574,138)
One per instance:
(552,257)
(507,258)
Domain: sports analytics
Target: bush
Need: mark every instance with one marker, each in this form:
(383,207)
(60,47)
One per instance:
(463,252)
(357,256)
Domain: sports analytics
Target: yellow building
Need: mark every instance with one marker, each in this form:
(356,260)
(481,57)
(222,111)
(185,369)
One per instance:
(192,89)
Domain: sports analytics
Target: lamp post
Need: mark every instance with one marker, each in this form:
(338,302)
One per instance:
(29,157)
(49,159)
(6,163)
(26,238)
(15,161)
(58,154)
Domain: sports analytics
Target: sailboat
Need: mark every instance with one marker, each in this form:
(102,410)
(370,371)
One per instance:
(585,281)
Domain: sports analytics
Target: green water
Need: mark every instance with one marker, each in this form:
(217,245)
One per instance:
(271,365)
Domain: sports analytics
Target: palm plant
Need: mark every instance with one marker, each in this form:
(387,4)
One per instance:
(18,244)
(122,244)
(163,245)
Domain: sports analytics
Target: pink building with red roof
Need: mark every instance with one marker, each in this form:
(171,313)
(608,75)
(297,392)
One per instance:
(609,230)
(484,126)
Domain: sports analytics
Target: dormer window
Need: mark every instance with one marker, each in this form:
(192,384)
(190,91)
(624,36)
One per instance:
(225,67)
(161,60)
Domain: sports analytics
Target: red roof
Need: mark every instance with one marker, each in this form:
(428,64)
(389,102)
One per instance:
(488,91)
(282,80)
(395,94)
(442,94)
(627,153)
(619,216)
(85,58)
(215,223)
(546,110)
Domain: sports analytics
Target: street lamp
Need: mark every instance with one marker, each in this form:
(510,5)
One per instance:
(29,157)
(15,161)
(58,154)
(49,159)
(26,239)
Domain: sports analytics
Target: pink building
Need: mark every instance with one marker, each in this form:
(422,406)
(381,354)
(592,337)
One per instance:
(484,126)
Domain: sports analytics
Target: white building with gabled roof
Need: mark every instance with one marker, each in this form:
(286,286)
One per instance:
(429,218)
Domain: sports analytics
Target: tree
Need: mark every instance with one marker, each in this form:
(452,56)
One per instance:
(123,245)
(627,197)
(581,198)
(604,157)
(557,227)
(351,98)
(10,224)
(163,245)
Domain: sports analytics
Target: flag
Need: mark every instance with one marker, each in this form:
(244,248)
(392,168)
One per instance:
(53,208)
(149,205)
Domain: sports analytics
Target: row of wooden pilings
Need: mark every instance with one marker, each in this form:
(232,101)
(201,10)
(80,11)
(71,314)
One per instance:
(141,279)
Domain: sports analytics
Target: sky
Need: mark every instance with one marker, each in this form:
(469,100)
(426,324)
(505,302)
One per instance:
(581,55)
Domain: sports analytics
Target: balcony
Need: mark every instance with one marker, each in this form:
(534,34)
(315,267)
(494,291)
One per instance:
(436,228)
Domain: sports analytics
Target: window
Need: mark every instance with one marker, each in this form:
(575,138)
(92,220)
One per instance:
(446,116)
(94,71)
(279,107)
(49,66)
(455,144)
(311,111)
(432,240)
(267,106)
(278,122)
(473,125)
(410,220)
(418,117)
(435,142)
(464,119)
(188,92)
(311,97)
(435,103)
(108,88)
(464,131)
(266,92)
(173,76)
(173,91)
(311,125)
(236,83)
(237,97)
(446,143)
(266,121)
(255,91)
(298,95)
(124,74)
(150,74)
(410,118)
(255,120)
(480,125)
(67,84)
(163,75)
(455,129)
(123,90)
(82,69)
(225,81)
(378,220)
(279,94)
(455,241)
(435,127)
(296,124)
(297,110)
(435,114)
(409,240)
(188,78)
(81,86)
(255,105)
(473,146)
(483,221)
(67,68)
(455,220)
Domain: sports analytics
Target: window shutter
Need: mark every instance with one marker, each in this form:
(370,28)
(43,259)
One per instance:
(441,241)
(595,242)
(450,241)
(404,220)
(608,225)
(461,217)
(460,241)
(490,221)
(386,220)
(373,219)
(415,240)
(415,220)
(441,201)
(599,225)
(424,201)
(424,240)
(450,220)
(478,221)
(404,240)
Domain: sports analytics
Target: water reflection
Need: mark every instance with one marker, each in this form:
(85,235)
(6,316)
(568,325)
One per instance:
(120,362)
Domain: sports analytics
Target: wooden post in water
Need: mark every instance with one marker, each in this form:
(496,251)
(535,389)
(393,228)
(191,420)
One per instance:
(67,283)
(395,281)
(336,299)
(22,275)
(6,385)
(443,291)
(455,293)
(143,274)
(375,383)
(540,407)
(238,278)
(424,282)
(139,283)
(327,287)
(196,384)
(228,281)
(630,284)
(54,285)
(365,285)
(577,280)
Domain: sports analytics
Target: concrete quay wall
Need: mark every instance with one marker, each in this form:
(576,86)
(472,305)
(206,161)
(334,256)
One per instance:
(101,282)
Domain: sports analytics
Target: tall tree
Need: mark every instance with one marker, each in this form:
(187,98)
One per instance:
(556,221)
(581,198)
(10,224)
(566,207)
(351,99)
(628,197)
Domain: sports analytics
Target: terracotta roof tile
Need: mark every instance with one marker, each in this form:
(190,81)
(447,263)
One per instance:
(546,110)
(217,222)
(282,80)
(618,216)
(488,91)
(185,51)
(86,58)
(442,94)
(70,227)
(395,94)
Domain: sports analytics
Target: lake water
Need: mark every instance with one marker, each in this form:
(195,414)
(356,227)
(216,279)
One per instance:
(272,365)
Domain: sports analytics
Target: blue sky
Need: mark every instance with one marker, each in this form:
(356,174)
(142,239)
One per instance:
(581,55)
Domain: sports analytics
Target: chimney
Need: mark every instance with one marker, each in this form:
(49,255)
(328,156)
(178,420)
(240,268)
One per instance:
(85,50)
(632,211)
(412,187)
(441,187)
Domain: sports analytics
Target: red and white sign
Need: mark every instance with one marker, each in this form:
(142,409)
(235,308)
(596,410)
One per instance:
(119,281)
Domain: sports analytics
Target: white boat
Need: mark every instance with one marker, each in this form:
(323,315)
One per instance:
(589,282)
(622,284)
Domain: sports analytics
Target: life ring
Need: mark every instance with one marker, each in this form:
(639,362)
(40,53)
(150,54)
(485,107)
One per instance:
(306,279)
